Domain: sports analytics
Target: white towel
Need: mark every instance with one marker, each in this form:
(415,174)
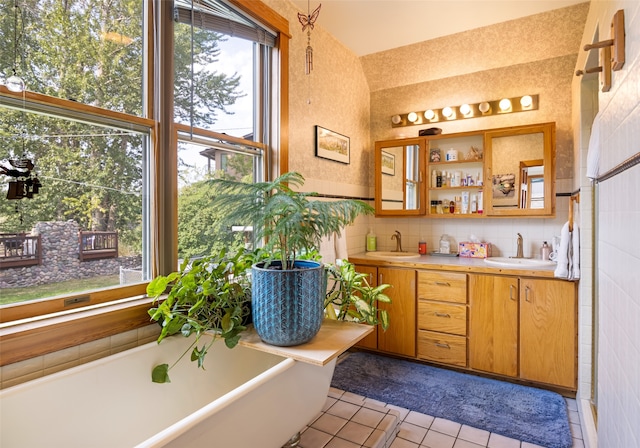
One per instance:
(562,269)
(574,274)
(334,248)
(593,153)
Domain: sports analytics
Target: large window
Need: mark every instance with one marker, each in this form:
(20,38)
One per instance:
(223,67)
(95,132)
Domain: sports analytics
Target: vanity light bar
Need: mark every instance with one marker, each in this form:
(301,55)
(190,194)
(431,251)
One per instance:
(483,109)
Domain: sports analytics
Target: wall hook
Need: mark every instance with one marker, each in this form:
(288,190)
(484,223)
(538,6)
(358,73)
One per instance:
(617,41)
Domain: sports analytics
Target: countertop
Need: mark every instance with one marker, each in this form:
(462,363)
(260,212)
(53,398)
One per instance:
(458,264)
(334,338)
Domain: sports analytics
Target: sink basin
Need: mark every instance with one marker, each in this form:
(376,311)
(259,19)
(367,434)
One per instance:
(522,263)
(394,255)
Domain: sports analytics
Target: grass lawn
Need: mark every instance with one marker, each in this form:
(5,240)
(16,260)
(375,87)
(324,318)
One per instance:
(13,295)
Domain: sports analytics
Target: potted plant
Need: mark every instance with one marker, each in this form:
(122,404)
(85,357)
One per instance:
(211,294)
(287,291)
(350,297)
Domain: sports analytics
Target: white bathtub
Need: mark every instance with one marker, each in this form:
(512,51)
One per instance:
(245,398)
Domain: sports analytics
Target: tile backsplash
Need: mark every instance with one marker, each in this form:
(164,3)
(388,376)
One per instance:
(30,369)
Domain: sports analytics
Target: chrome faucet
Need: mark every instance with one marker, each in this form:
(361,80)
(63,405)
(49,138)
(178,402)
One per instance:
(519,251)
(396,236)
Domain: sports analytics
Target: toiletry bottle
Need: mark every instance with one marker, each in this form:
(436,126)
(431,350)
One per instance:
(422,246)
(434,180)
(480,202)
(445,246)
(439,179)
(545,251)
(474,203)
(371,241)
(465,203)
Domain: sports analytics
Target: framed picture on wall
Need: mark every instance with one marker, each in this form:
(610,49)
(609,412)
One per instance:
(388,163)
(333,146)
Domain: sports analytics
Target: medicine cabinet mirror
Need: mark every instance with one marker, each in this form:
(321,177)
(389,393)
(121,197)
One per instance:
(520,171)
(399,177)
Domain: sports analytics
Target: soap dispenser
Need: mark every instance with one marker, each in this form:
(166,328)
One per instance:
(371,241)
(545,251)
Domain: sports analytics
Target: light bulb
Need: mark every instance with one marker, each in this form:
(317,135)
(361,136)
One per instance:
(447,112)
(526,101)
(505,104)
(465,109)
(412,117)
(484,107)
(429,114)
(396,119)
(15,83)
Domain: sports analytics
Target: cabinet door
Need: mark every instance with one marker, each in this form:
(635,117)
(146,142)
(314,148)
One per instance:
(548,331)
(400,337)
(399,177)
(370,340)
(493,324)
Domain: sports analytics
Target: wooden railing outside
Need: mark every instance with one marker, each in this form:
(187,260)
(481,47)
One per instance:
(97,245)
(19,249)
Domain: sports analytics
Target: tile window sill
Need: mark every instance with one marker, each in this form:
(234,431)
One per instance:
(30,338)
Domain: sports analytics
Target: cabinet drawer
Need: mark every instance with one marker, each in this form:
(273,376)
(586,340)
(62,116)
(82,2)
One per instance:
(444,286)
(444,317)
(444,348)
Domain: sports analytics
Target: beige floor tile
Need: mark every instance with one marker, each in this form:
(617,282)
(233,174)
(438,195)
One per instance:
(435,439)
(377,439)
(312,438)
(419,419)
(402,443)
(411,432)
(344,410)
(355,432)
(460,443)
(498,441)
(329,423)
(474,435)
(446,426)
(341,443)
(530,445)
(369,417)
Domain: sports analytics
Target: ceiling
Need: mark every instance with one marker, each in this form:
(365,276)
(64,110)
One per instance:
(370,26)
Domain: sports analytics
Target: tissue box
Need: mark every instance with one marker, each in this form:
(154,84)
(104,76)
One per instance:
(474,250)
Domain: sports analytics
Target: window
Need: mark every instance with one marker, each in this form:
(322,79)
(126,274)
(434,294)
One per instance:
(99,63)
(85,117)
(223,65)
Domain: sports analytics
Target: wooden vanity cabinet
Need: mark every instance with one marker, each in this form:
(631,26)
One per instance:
(400,337)
(548,331)
(523,328)
(493,324)
(442,317)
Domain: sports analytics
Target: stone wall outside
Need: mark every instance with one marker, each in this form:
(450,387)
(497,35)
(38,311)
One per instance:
(60,259)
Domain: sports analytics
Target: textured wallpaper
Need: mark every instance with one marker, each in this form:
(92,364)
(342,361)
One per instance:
(335,96)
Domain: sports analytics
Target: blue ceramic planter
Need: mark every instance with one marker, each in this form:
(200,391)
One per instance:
(288,306)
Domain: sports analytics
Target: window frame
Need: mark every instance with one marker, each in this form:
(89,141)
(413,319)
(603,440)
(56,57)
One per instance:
(41,327)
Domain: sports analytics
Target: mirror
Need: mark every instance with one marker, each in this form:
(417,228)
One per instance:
(519,171)
(399,175)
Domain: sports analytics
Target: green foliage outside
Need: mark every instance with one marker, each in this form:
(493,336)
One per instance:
(90,174)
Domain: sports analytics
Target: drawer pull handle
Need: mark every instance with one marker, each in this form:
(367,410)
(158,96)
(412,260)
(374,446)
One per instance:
(442,345)
(442,314)
(443,283)
(511,288)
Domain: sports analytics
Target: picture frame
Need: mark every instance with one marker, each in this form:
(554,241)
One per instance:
(332,146)
(388,163)
(434,155)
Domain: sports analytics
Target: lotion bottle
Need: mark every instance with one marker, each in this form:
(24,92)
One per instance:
(545,251)
(371,241)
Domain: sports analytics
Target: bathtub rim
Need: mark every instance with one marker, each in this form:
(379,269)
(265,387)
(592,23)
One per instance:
(183,425)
